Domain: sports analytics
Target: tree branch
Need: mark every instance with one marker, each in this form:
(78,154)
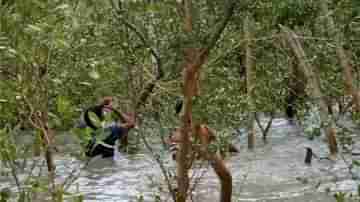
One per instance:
(161,165)
(229,11)
(7,73)
(151,85)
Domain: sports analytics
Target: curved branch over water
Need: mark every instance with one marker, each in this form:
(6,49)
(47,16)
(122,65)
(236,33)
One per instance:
(148,90)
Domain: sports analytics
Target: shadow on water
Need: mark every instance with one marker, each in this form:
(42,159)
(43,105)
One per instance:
(272,172)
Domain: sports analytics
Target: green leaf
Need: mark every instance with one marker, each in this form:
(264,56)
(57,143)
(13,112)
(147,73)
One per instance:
(63,104)
(34,28)
(94,75)
(356,163)
(63,44)
(62,7)
(12,51)
(84,83)
(57,81)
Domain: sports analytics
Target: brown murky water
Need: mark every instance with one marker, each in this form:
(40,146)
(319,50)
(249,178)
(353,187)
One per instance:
(271,173)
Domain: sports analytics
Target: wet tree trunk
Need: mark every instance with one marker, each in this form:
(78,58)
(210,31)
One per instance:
(343,58)
(216,162)
(47,134)
(313,81)
(189,71)
(264,130)
(36,98)
(37,145)
(195,58)
(193,61)
(250,81)
(39,121)
(224,175)
(49,149)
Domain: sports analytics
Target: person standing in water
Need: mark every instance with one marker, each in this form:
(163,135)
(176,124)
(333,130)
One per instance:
(101,119)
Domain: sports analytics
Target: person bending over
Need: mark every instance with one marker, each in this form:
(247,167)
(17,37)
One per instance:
(114,132)
(100,115)
(102,120)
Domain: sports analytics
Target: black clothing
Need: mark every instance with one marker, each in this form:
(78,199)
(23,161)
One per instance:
(106,147)
(178,106)
(94,150)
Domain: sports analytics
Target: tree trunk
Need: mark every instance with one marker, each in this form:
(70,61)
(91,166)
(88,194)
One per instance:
(313,81)
(265,130)
(184,151)
(38,118)
(37,145)
(343,58)
(216,162)
(194,59)
(47,136)
(189,73)
(250,82)
(225,177)
(223,173)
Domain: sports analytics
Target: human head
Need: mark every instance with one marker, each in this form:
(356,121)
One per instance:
(107,101)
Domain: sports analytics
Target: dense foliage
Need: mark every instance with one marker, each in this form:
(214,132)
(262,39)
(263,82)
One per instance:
(61,56)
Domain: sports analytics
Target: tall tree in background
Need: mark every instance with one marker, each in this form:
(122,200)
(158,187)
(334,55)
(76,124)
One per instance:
(250,80)
(314,83)
(343,58)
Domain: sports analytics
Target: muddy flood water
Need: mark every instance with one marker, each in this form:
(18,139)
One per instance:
(274,172)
